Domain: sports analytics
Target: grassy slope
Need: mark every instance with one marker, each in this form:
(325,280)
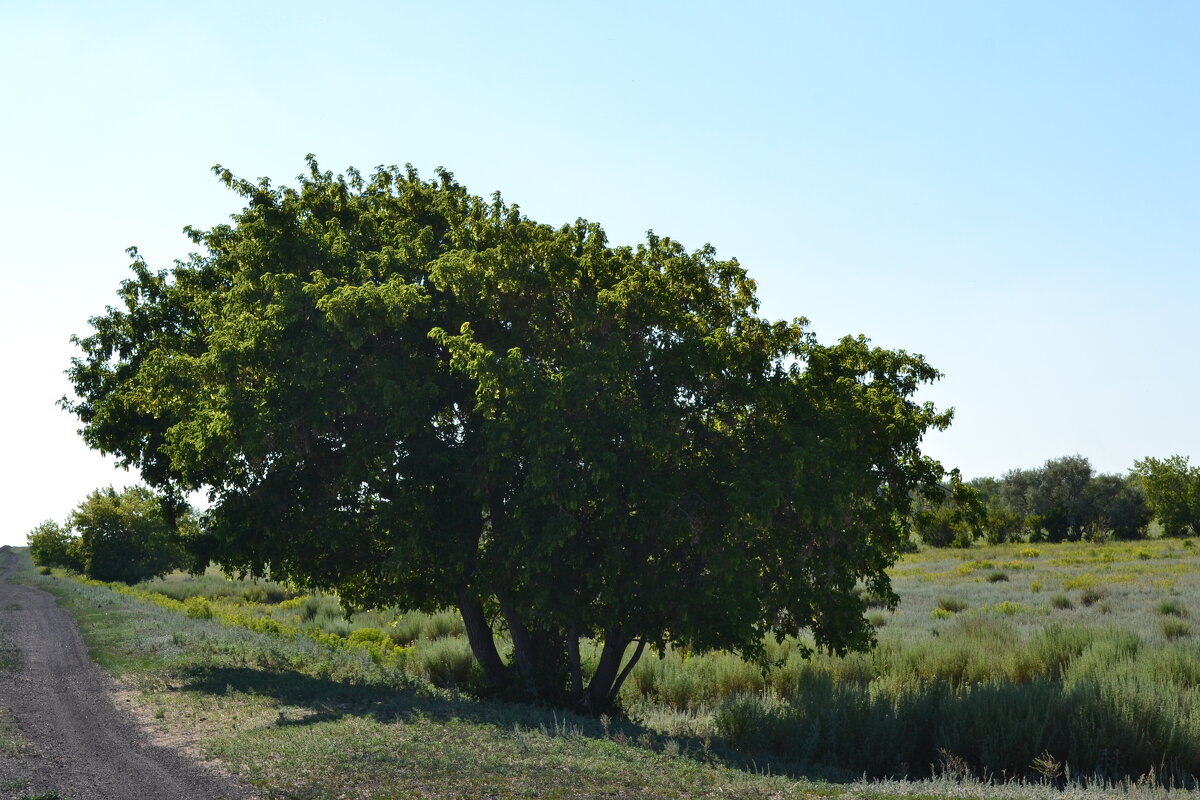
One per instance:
(300,721)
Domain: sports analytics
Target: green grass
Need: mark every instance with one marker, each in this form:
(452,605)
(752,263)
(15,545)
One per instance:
(972,677)
(1175,629)
(12,743)
(297,718)
(213,584)
(1172,608)
(1062,602)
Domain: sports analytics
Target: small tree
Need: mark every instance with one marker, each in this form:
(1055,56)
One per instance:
(1063,497)
(52,545)
(1000,522)
(953,517)
(126,536)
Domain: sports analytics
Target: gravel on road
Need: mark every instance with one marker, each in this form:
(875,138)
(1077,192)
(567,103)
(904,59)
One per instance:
(61,734)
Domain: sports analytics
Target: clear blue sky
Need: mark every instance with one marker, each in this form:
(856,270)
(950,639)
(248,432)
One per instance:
(1011,189)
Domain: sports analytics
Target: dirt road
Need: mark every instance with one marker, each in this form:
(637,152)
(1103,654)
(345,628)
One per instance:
(76,742)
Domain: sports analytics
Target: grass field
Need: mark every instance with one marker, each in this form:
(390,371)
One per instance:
(1070,664)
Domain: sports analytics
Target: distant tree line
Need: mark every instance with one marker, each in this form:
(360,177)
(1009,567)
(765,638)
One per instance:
(1065,500)
(127,536)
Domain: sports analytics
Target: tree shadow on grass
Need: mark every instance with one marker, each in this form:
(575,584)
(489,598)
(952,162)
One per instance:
(329,700)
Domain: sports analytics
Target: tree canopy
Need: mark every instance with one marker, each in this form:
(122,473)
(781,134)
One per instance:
(1063,500)
(52,545)
(127,536)
(1172,490)
(398,391)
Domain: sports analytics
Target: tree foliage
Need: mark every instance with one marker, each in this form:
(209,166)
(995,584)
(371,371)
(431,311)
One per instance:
(1063,500)
(1172,489)
(126,536)
(398,391)
(953,517)
(52,545)
(1053,499)
(1118,505)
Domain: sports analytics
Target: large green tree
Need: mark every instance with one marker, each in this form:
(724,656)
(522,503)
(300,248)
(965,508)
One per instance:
(398,391)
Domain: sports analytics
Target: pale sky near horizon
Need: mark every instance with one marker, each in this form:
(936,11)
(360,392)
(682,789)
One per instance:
(1011,189)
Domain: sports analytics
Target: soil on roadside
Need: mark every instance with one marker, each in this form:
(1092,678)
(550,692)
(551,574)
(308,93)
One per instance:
(61,734)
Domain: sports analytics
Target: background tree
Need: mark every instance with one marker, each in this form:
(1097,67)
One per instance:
(397,391)
(1000,523)
(1062,497)
(1018,491)
(52,545)
(1061,500)
(1052,500)
(126,536)
(1118,506)
(1172,490)
(955,516)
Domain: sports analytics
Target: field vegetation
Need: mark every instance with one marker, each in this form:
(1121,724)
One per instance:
(1080,667)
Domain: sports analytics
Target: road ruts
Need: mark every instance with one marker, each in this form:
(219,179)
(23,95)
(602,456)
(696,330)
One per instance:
(79,744)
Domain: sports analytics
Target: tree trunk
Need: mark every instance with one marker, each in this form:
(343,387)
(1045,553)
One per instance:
(599,689)
(479,635)
(573,660)
(524,651)
(637,654)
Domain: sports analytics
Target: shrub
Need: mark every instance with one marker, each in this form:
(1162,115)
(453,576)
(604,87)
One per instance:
(871,598)
(952,604)
(997,576)
(1171,608)
(1002,525)
(447,662)
(416,625)
(1092,595)
(361,635)
(1062,602)
(941,613)
(1030,552)
(1175,629)
(1008,608)
(944,526)
(1084,581)
(1049,653)
(267,594)
(317,607)
(198,608)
